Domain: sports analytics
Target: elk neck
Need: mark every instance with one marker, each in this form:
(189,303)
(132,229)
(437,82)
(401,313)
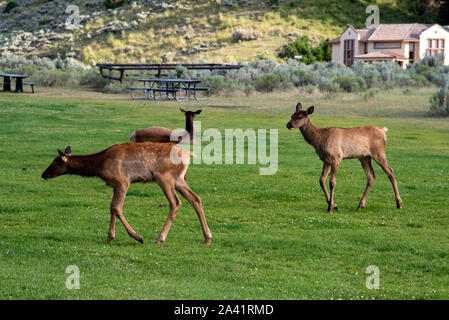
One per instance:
(311,133)
(86,166)
(189,127)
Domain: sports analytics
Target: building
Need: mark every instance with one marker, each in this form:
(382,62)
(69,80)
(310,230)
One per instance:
(397,43)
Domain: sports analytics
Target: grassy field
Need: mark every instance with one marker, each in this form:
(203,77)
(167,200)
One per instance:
(272,237)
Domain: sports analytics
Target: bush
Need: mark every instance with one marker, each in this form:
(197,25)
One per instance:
(52,78)
(439,102)
(268,82)
(328,87)
(9,6)
(219,83)
(348,84)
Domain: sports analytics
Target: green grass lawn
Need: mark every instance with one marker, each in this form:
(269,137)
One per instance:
(272,237)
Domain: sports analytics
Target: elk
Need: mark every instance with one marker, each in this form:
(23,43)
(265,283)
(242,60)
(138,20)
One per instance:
(161,134)
(336,144)
(123,164)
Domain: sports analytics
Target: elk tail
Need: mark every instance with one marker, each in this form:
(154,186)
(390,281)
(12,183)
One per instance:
(384,129)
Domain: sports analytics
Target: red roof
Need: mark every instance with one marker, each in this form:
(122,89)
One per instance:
(390,32)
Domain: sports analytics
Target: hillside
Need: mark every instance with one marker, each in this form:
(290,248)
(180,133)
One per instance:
(180,30)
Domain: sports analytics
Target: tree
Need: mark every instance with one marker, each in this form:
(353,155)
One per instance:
(303,48)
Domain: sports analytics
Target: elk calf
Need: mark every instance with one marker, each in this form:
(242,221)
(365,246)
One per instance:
(336,144)
(161,134)
(123,164)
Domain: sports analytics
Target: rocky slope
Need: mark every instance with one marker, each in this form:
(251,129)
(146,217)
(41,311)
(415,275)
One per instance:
(173,30)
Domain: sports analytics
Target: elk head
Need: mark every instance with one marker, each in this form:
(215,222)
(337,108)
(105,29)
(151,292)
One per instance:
(190,114)
(59,165)
(300,117)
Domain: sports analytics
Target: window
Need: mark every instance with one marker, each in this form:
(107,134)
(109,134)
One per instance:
(411,52)
(387,45)
(349,52)
(435,47)
(365,48)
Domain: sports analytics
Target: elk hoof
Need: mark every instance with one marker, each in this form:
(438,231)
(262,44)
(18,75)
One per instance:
(331,208)
(139,238)
(208,241)
(159,241)
(360,207)
(110,239)
(399,205)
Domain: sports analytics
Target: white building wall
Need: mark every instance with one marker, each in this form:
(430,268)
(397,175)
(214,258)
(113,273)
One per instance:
(434,32)
(349,34)
(337,54)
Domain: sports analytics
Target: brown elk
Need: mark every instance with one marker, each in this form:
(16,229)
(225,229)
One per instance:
(161,134)
(336,144)
(123,164)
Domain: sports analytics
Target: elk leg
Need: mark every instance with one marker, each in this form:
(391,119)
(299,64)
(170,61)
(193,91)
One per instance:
(332,182)
(324,174)
(195,201)
(370,176)
(174,202)
(382,161)
(116,209)
(111,233)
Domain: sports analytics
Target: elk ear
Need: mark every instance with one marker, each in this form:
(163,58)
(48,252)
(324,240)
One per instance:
(68,150)
(183,111)
(298,106)
(310,110)
(61,154)
(197,111)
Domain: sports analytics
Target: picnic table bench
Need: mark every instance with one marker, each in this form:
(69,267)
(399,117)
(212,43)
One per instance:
(165,89)
(19,82)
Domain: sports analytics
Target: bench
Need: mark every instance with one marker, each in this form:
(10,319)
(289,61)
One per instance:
(31,84)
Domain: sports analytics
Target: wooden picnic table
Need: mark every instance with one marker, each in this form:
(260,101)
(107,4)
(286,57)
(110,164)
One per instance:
(162,89)
(7,81)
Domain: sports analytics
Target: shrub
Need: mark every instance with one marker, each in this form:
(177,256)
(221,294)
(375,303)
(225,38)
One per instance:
(328,87)
(439,102)
(52,78)
(9,6)
(217,83)
(348,84)
(268,82)
(92,79)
